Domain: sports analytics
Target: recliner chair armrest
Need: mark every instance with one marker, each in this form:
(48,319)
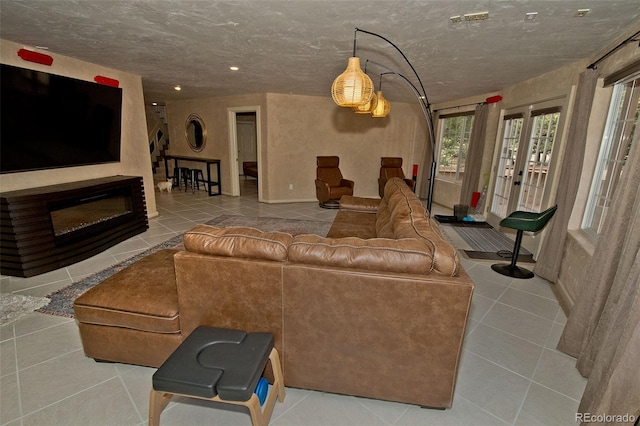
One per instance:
(322,190)
(346,182)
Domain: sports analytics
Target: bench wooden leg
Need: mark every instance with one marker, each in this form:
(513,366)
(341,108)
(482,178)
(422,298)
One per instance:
(157,403)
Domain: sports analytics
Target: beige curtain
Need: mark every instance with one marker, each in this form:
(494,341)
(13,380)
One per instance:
(603,329)
(548,262)
(473,163)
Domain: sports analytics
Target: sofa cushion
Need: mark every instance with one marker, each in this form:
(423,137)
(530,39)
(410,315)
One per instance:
(142,296)
(238,242)
(377,254)
(446,260)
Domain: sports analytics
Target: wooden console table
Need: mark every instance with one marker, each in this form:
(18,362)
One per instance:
(207,161)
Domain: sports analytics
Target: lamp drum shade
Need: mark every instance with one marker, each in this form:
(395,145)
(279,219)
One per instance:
(353,87)
(367,107)
(382,108)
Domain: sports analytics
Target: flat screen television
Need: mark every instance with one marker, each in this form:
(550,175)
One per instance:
(50,121)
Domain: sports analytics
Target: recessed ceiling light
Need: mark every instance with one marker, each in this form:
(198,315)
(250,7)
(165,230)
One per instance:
(178,88)
(234,68)
(531,16)
(154,103)
(479,16)
(581,12)
(456,19)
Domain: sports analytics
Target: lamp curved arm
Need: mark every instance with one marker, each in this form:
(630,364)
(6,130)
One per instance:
(426,111)
(424,92)
(422,100)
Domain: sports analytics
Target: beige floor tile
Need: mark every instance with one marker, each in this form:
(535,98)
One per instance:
(521,323)
(506,350)
(107,404)
(9,399)
(463,412)
(544,406)
(557,371)
(480,305)
(58,378)
(321,409)
(40,346)
(137,380)
(498,391)
(541,306)
(8,357)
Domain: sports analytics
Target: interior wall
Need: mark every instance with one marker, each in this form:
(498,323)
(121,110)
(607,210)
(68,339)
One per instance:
(134,154)
(300,128)
(213,112)
(295,129)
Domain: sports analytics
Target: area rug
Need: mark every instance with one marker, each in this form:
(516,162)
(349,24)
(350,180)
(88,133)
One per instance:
(15,306)
(487,240)
(501,255)
(452,221)
(62,300)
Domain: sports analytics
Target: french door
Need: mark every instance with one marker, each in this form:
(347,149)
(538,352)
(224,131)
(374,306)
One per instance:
(525,161)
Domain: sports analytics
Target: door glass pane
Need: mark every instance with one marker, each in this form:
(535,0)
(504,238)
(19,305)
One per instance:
(506,166)
(534,178)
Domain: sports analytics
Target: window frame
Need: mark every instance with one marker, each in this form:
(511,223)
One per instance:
(466,137)
(611,141)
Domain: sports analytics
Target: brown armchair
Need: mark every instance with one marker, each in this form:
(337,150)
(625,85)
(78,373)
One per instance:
(330,185)
(392,167)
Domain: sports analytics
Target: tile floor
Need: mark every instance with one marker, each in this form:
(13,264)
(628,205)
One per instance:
(510,372)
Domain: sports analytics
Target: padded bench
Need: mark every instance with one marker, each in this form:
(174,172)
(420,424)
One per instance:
(220,365)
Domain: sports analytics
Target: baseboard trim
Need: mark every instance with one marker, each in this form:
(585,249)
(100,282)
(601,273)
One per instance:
(565,300)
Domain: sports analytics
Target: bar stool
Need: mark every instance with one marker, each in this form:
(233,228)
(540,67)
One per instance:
(197,178)
(181,175)
(522,221)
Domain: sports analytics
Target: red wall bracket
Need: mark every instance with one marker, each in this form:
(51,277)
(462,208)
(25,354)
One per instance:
(106,81)
(37,57)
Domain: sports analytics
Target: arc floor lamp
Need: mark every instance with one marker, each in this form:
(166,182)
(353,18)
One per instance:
(353,88)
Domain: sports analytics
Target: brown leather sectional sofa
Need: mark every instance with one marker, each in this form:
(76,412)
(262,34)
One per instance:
(377,309)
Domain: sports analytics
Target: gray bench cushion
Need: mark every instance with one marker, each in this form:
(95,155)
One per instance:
(216,361)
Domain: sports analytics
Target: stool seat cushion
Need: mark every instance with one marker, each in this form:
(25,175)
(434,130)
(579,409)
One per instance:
(142,296)
(216,361)
(528,221)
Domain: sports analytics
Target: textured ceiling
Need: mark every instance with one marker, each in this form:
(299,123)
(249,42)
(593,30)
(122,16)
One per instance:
(301,46)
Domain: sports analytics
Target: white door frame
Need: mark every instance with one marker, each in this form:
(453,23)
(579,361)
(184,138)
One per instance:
(233,148)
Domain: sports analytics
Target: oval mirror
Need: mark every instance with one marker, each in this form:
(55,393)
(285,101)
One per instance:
(196,132)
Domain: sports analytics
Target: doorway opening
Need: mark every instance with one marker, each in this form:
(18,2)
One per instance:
(244,149)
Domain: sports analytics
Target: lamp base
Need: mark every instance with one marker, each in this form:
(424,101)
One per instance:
(331,204)
(512,271)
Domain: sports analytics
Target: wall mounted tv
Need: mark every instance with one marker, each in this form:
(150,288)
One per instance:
(50,121)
